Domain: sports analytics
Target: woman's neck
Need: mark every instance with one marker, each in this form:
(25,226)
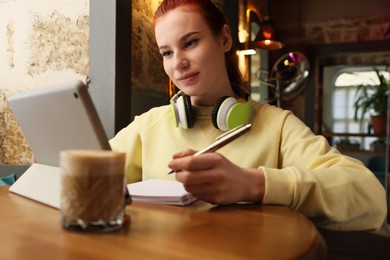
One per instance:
(209,99)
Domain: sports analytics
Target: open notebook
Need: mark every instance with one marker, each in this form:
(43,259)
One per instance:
(160,192)
(52,119)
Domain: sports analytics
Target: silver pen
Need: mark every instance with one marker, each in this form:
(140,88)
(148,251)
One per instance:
(222,140)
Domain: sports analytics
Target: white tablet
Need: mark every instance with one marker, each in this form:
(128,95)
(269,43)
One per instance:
(58,117)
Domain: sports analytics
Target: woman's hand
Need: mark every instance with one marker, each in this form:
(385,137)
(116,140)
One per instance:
(213,178)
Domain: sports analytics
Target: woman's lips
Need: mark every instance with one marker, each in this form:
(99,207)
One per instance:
(188,79)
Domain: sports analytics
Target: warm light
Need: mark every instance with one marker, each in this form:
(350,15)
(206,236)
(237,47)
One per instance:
(267,42)
(267,35)
(171,88)
(243,35)
(246,52)
(242,65)
(154,4)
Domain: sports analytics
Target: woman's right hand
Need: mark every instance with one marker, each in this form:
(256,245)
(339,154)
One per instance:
(213,178)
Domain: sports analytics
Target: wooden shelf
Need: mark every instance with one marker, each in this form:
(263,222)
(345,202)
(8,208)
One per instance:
(330,134)
(362,152)
(349,151)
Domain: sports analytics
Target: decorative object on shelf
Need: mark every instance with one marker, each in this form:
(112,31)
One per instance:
(373,99)
(288,76)
(347,144)
(378,145)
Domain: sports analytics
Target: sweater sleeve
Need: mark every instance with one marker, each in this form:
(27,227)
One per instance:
(128,140)
(335,191)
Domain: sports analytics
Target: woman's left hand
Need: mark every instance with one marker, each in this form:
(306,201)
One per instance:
(213,178)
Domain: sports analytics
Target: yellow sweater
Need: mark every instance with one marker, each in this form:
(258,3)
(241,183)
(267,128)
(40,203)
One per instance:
(301,170)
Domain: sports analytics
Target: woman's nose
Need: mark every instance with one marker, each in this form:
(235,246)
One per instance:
(181,62)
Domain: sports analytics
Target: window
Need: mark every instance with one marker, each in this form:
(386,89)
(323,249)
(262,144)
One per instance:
(342,81)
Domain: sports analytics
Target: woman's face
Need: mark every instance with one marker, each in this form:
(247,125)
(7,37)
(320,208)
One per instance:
(193,57)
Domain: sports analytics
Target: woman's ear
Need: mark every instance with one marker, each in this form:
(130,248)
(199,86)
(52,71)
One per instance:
(226,37)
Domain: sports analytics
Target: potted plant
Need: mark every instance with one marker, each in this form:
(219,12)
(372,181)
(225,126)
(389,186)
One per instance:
(373,99)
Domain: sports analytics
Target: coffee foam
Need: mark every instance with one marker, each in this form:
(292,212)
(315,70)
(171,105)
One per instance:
(91,162)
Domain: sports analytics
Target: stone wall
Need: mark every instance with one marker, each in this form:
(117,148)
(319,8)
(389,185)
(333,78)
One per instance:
(344,30)
(330,21)
(41,42)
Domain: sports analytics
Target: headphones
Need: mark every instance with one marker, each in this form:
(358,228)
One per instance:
(226,114)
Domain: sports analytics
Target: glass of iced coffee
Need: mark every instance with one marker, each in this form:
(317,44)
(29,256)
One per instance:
(93,190)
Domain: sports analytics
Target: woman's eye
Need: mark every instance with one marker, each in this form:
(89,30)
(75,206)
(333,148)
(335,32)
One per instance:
(191,42)
(166,53)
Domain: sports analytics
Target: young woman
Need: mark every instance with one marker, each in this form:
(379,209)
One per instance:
(279,161)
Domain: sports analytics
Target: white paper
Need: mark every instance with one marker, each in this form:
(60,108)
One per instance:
(155,191)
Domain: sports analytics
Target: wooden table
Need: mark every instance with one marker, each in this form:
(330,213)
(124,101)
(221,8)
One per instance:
(30,230)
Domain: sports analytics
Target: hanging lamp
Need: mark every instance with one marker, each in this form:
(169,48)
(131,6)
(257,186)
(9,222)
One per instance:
(267,37)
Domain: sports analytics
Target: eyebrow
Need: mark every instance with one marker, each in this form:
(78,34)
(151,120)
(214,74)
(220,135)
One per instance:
(182,39)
